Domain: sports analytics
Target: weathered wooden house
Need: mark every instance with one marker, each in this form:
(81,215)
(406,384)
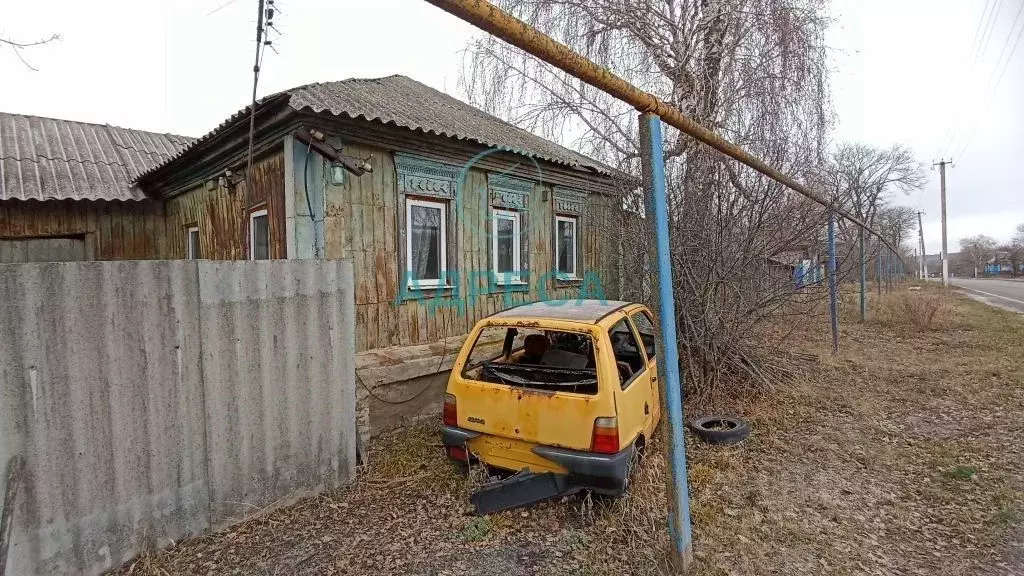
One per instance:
(67,190)
(449,214)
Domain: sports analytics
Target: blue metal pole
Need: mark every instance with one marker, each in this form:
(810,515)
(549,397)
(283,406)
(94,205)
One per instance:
(888,270)
(863,279)
(833,288)
(878,272)
(653,160)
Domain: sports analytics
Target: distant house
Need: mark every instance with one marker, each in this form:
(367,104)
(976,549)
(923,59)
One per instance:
(67,190)
(959,264)
(448,213)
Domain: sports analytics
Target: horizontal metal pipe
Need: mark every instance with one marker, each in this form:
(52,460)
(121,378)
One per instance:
(497,22)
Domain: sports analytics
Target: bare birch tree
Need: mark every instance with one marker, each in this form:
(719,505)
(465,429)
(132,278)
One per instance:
(978,249)
(753,70)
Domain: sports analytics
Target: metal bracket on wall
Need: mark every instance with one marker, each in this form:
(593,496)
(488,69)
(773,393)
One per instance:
(352,164)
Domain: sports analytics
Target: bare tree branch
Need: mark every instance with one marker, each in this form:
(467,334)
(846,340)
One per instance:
(18,47)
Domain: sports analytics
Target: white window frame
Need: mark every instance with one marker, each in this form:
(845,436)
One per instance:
(517,262)
(443,264)
(190,247)
(575,243)
(252,232)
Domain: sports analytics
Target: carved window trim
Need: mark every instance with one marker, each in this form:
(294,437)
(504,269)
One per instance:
(569,205)
(423,179)
(569,201)
(509,195)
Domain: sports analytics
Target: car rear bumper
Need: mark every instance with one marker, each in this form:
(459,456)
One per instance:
(602,473)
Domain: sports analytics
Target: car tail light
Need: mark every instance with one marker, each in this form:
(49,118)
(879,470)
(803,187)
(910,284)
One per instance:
(606,436)
(450,415)
(458,453)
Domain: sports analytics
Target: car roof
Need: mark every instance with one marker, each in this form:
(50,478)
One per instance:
(584,311)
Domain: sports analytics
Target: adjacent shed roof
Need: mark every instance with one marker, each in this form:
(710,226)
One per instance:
(51,159)
(404,102)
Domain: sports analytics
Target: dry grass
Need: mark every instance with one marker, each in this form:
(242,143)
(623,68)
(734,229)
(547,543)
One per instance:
(903,455)
(921,306)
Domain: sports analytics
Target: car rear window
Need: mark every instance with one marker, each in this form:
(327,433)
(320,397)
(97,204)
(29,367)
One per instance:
(533,358)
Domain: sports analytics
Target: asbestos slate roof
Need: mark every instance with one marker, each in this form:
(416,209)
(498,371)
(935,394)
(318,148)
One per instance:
(404,102)
(51,159)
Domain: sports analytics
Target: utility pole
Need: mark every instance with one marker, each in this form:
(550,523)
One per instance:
(255,82)
(924,256)
(942,183)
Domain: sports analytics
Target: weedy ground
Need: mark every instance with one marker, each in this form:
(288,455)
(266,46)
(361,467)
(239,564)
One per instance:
(904,454)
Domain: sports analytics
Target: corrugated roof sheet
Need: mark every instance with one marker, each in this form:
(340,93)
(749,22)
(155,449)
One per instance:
(51,159)
(404,102)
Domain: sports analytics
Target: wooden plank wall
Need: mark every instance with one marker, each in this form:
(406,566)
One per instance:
(223,224)
(361,223)
(113,230)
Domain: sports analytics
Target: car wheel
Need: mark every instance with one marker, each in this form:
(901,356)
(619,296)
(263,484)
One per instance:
(720,429)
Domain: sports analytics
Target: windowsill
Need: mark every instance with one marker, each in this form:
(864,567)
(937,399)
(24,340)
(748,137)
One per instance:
(568,280)
(429,287)
(511,283)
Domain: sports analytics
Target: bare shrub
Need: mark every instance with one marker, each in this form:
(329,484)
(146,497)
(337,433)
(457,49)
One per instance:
(920,310)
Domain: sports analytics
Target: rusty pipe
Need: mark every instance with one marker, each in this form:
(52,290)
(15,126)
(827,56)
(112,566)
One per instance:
(497,22)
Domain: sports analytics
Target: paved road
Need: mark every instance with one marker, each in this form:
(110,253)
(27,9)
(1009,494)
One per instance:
(1007,294)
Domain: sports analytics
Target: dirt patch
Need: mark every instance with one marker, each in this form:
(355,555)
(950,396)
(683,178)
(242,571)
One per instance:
(903,455)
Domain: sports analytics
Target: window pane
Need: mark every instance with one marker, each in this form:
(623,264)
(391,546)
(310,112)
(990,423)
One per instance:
(566,247)
(628,358)
(194,249)
(260,238)
(506,250)
(645,327)
(425,234)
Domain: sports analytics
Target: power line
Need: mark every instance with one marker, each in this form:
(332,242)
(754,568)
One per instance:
(219,8)
(975,41)
(998,76)
(979,47)
(990,27)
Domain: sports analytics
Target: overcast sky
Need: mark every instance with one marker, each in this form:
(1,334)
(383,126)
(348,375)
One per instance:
(905,71)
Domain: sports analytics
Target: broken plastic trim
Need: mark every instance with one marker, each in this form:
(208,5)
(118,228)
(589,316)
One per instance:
(521,489)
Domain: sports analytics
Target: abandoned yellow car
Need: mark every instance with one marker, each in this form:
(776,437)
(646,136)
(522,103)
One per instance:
(563,392)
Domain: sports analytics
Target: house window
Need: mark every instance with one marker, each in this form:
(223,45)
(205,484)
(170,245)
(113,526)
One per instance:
(259,235)
(426,236)
(193,249)
(565,246)
(506,243)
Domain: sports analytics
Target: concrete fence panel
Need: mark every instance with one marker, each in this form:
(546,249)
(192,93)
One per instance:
(279,367)
(100,389)
(153,400)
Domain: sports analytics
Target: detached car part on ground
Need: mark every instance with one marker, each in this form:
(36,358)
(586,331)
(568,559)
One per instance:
(561,394)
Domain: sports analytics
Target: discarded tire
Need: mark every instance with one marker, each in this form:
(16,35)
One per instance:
(720,429)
